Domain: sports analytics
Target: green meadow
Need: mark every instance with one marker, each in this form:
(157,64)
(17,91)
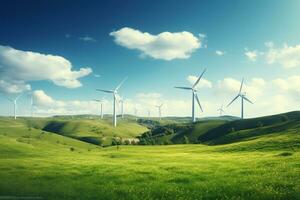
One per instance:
(258,161)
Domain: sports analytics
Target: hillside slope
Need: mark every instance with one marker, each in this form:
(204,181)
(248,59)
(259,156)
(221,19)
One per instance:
(241,130)
(94,130)
(263,132)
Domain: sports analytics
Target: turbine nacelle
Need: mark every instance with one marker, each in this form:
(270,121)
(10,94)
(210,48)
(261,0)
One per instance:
(243,97)
(115,95)
(195,96)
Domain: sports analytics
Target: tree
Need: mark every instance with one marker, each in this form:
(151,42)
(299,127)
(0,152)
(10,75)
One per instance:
(116,141)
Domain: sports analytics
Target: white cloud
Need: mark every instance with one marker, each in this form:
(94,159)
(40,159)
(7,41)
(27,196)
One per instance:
(230,87)
(204,83)
(18,67)
(87,39)
(165,45)
(290,85)
(269,97)
(251,55)
(13,87)
(288,56)
(220,53)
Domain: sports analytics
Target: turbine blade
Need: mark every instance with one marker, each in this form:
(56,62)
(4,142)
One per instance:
(184,88)
(18,96)
(121,84)
(199,78)
(241,87)
(233,100)
(248,100)
(198,101)
(107,91)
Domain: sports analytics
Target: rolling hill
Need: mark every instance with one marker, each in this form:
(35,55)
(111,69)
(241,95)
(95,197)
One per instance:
(91,130)
(251,162)
(283,128)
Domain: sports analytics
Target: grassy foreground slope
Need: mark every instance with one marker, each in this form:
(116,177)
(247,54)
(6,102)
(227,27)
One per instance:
(36,163)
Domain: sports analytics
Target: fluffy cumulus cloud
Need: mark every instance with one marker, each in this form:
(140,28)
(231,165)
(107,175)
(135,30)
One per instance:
(204,83)
(290,85)
(230,87)
(19,67)
(165,45)
(287,56)
(269,97)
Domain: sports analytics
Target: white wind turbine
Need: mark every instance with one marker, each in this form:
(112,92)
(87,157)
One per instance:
(121,101)
(31,103)
(14,101)
(221,110)
(135,113)
(243,97)
(194,95)
(115,94)
(149,114)
(159,110)
(101,106)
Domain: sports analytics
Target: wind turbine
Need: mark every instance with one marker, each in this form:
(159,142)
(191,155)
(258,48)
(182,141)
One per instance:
(101,106)
(149,113)
(14,101)
(135,113)
(159,110)
(121,101)
(221,111)
(243,97)
(31,103)
(115,93)
(194,95)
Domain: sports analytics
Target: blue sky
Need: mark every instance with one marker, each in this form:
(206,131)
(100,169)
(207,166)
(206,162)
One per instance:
(79,32)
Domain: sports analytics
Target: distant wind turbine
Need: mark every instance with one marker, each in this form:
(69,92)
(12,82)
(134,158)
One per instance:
(115,93)
(121,101)
(14,101)
(135,113)
(159,110)
(221,110)
(31,103)
(243,97)
(101,106)
(149,114)
(194,95)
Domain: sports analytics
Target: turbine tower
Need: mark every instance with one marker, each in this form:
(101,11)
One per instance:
(243,97)
(14,101)
(159,110)
(221,111)
(31,104)
(149,113)
(194,95)
(101,106)
(121,101)
(135,113)
(115,93)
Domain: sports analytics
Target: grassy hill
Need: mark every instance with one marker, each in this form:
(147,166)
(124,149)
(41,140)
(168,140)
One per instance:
(35,163)
(88,129)
(287,124)
(213,132)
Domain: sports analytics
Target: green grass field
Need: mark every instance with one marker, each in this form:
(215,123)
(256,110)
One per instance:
(38,163)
